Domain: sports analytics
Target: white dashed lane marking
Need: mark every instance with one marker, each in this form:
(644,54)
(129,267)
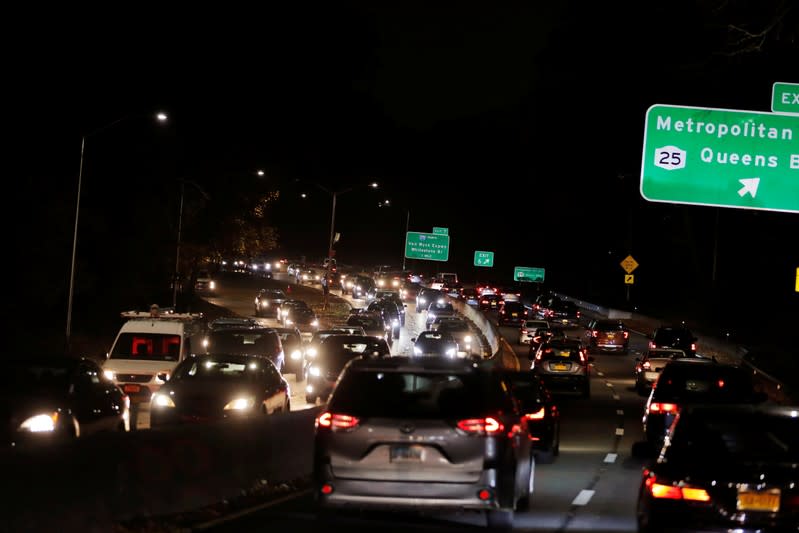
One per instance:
(611,458)
(584,497)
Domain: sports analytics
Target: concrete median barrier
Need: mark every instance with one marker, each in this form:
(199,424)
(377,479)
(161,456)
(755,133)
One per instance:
(92,483)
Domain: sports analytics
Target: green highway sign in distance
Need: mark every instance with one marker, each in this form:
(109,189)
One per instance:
(785,98)
(429,246)
(721,157)
(440,231)
(528,274)
(483,259)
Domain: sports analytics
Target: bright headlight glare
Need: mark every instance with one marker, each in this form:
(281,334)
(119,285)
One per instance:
(422,301)
(451,352)
(109,375)
(212,285)
(162,400)
(467,338)
(311,352)
(315,371)
(289,322)
(417,351)
(240,404)
(315,323)
(296,355)
(394,322)
(205,343)
(40,423)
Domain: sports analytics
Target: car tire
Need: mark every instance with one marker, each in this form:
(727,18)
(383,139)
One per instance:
(499,519)
(523,503)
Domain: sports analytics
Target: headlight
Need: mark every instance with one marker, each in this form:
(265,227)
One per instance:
(417,351)
(467,339)
(40,423)
(431,315)
(240,404)
(212,285)
(109,375)
(284,312)
(311,352)
(394,322)
(422,301)
(315,371)
(380,283)
(315,323)
(440,300)
(296,355)
(395,283)
(289,322)
(451,352)
(265,303)
(161,400)
(205,343)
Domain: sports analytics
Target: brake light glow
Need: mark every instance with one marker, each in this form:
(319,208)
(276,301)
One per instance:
(652,344)
(626,334)
(538,415)
(657,407)
(337,421)
(675,492)
(647,365)
(693,346)
(595,333)
(481,426)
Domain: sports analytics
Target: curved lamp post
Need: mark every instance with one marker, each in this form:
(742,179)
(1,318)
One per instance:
(160,117)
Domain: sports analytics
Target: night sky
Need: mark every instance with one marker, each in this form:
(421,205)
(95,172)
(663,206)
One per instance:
(519,128)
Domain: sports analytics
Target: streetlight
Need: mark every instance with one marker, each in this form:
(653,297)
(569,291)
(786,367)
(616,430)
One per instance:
(160,117)
(334,194)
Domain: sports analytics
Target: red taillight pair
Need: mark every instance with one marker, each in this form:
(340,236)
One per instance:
(337,421)
(674,492)
(693,346)
(481,426)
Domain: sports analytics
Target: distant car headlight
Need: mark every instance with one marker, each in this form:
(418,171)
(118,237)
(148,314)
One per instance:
(315,371)
(311,352)
(205,343)
(451,352)
(380,283)
(394,322)
(289,322)
(417,351)
(440,301)
(161,400)
(467,339)
(315,323)
(212,285)
(40,423)
(109,375)
(305,277)
(240,404)
(422,301)
(296,355)
(268,266)
(395,283)
(431,315)
(284,312)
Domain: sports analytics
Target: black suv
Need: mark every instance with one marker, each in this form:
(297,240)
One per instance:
(679,337)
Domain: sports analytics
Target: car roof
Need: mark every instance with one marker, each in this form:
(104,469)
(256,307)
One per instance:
(415,364)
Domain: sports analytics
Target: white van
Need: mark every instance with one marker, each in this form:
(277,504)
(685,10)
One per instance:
(147,346)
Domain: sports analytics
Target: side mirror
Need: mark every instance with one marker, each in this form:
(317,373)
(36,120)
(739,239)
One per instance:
(413,339)
(163,376)
(643,450)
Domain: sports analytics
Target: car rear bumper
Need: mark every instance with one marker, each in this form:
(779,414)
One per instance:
(397,495)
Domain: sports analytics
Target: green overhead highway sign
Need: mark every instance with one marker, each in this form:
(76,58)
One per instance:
(528,274)
(483,259)
(429,246)
(785,98)
(440,231)
(721,157)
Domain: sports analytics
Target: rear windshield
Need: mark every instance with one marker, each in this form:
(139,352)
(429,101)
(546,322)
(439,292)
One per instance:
(609,326)
(419,395)
(676,336)
(560,353)
(736,437)
(703,383)
(244,342)
(147,347)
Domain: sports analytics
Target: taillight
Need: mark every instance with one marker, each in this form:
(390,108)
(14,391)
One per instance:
(647,365)
(538,415)
(652,344)
(582,356)
(675,492)
(578,314)
(657,407)
(481,426)
(693,346)
(595,333)
(626,334)
(337,421)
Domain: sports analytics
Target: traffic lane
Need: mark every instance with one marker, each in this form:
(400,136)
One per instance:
(592,484)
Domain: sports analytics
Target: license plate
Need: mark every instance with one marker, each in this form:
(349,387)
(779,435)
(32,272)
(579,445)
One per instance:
(131,388)
(611,335)
(565,320)
(768,501)
(559,366)
(514,315)
(406,454)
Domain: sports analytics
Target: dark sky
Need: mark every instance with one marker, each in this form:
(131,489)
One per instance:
(518,127)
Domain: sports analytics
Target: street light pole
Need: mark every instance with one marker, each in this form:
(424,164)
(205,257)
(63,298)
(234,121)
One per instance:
(177,250)
(407,223)
(161,117)
(332,226)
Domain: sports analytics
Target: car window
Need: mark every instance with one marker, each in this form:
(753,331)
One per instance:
(244,342)
(703,383)
(419,395)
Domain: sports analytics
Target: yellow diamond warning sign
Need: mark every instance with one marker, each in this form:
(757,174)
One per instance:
(629,264)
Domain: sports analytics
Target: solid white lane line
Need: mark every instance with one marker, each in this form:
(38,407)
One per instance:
(611,458)
(584,497)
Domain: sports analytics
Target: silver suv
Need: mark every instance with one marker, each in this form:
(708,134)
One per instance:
(407,434)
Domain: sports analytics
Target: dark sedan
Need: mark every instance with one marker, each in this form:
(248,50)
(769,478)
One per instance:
(723,468)
(57,398)
(540,411)
(213,387)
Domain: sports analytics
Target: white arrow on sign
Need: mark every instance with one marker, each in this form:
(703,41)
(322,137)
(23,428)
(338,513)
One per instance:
(749,186)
